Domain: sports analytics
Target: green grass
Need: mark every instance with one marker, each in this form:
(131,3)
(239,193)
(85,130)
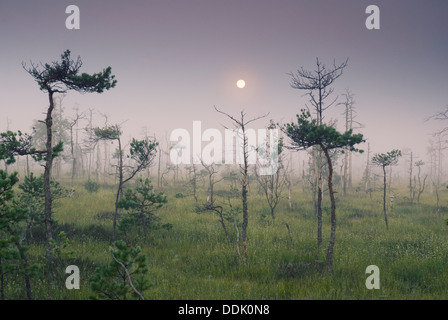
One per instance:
(194,261)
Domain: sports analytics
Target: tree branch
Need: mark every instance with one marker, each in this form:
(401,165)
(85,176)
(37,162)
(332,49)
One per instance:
(129,276)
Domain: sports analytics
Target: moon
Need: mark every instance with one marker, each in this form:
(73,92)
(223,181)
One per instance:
(241,83)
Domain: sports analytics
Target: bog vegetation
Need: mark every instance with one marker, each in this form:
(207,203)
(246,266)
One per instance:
(139,227)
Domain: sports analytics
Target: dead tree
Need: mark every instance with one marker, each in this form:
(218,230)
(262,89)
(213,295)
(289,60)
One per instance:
(193,181)
(420,184)
(272,185)
(367,175)
(435,153)
(240,125)
(211,172)
(350,124)
(73,122)
(411,178)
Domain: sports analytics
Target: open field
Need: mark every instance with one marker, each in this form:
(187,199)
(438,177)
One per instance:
(193,260)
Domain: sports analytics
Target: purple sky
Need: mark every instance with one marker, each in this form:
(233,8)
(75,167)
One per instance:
(174,60)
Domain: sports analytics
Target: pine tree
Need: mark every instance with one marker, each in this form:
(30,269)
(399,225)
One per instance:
(384,160)
(307,133)
(123,277)
(13,256)
(141,203)
(58,78)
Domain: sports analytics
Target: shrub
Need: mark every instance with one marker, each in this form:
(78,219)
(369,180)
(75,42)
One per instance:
(91,186)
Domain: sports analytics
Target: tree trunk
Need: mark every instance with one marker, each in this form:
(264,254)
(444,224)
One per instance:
(105,163)
(98,163)
(289,196)
(319,206)
(244,196)
(26,276)
(367,171)
(347,150)
(223,224)
(120,186)
(143,219)
(411,187)
(159,180)
(350,170)
(72,152)
(345,177)
(384,198)
(47,178)
(319,217)
(2,281)
(195,184)
(318,193)
(333,212)
(211,183)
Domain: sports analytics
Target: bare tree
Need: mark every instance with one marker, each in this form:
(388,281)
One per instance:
(319,80)
(411,186)
(440,116)
(91,149)
(193,180)
(240,125)
(367,174)
(350,124)
(211,172)
(435,152)
(435,161)
(420,184)
(73,122)
(273,185)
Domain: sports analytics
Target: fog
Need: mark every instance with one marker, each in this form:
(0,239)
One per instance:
(176,60)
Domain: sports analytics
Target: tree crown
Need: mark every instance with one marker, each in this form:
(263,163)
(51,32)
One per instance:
(60,76)
(307,133)
(386,159)
(107,133)
(14,144)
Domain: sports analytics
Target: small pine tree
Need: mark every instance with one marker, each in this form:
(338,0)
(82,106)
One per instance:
(307,133)
(140,203)
(123,277)
(12,253)
(384,160)
(33,197)
(91,186)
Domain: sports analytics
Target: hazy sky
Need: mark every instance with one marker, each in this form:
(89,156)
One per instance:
(175,60)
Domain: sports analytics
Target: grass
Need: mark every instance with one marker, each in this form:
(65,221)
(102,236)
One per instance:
(192,260)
